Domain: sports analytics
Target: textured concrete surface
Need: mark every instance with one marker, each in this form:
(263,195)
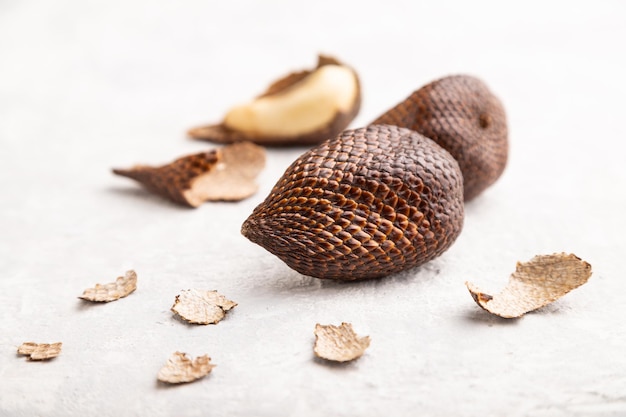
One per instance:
(87,86)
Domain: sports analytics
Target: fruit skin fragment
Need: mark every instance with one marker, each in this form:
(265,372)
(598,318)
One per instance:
(226,174)
(302,108)
(201,307)
(181,368)
(40,351)
(339,343)
(534,284)
(104,293)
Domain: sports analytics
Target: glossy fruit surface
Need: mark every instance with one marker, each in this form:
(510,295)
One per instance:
(365,204)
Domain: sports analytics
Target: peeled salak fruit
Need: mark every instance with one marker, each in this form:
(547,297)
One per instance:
(302,108)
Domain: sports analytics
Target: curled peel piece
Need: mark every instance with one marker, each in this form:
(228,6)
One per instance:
(534,284)
(104,293)
(339,343)
(223,174)
(301,108)
(202,307)
(181,368)
(40,351)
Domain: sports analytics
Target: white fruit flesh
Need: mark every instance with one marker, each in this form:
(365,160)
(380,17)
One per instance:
(303,108)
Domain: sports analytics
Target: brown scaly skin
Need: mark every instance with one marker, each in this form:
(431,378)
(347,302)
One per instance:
(465,118)
(365,204)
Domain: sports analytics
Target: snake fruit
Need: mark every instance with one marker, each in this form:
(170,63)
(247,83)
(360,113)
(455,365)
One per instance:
(464,117)
(302,108)
(364,204)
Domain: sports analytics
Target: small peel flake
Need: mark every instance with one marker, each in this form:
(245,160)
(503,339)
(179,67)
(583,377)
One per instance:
(181,368)
(104,293)
(40,351)
(202,307)
(339,343)
(534,284)
(226,174)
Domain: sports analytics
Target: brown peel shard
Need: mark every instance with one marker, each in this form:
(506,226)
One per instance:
(181,368)
(201,307)
(339,343)
(301,108)
(534,284)
(223,174)
(103,293)
(40,351)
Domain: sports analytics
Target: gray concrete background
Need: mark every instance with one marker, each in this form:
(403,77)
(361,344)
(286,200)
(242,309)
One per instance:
(86,86)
